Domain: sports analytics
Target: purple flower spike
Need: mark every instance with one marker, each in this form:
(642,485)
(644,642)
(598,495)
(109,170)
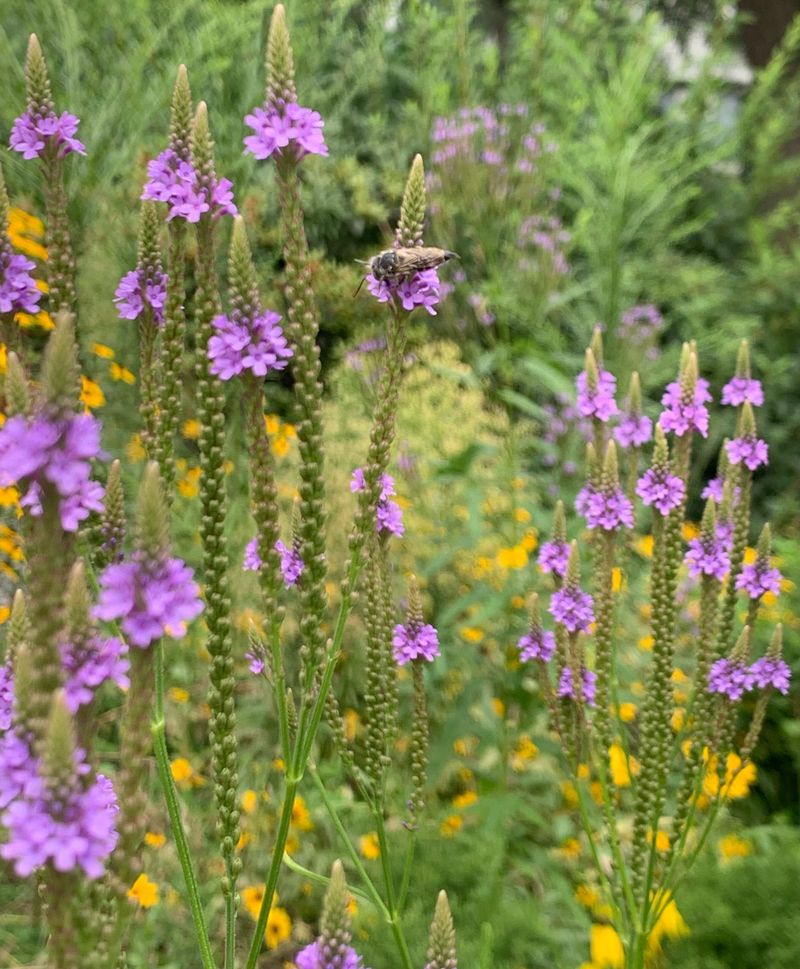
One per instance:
(730,679)
(421,289)
(87,669)
(708,558)
(741,390)
(414,641)
(313,957)
(239,344)
(275,128)
(714,489)
(6,697)
(683,416)
(566,686)
(538,647)
(759,577)
(633,431)
(662,490)
(573,608)
(151,599)
(598,402)
(388,514)
(31,135)
(18,290)
(751,452)
(292,565)
(608,510)
(176,182)
(554,557)
(775,673)
(135,290)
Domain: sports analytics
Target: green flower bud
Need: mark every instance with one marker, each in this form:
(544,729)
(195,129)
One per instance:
(635,395)
(708,524)
(181,115)
(573,579)
(596,346)
(280,62)
(37,81)
(559,533)
(58,760)
(18,399)
(24,701)
(19,629)
(78,604)
(61,374)
(412,209)
(112,519)
(743,360)
(442,937)
(152,521)
(775,649)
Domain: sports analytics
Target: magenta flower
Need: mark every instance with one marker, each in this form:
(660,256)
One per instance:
(708,558)
(554,557)
(19,773)
(421,289)
(256,662)
(538,646)
(18,291)
(662,490)
(41,452)
(388,514)
(597,402)
(414,641)
(768,672)
(566,686)
(292,564)
(252,560)
(633,431)
(241,344)
(740,390)
(73,828)
(6,696)
(135,290)
(278,127)
(608,510)
(87,668)
(730,679)
(682,415)
(150,599)
(175,181)
(714,489)
(573,608)
(759,577)
(32,135)
(753,452)
(313,957)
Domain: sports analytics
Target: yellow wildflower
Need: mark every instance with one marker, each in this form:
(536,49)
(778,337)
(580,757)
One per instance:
(662,840)
(570,849)
(249,801)
(144,892)
(3,358)
(178,694)
(670,923)
(621,767)
(569,793)
(5,612)
(627,712)
(529,540)
(135,449)
(91,393)
(732,846)
(605,947)
(102,351)
(461,801)
(616,579)
(351,724)
(587,896)
(515,557)
(644,546)
(472,634)
(451,825)
(183,773)
(279,927)
(191,429)
(524,752)
(155,839)
(498,707)
(522,515)
(678,719)
(189,484)
(646,644)
(368,846)
(689,531)
(42,319)
(252,897)
(301,819)
(244,840)
(118,372)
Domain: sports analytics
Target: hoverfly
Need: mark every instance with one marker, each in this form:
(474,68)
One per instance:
(405,261)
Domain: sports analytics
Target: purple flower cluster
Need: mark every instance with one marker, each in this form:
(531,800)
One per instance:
(768,672)
(606,509)
(741,390)
(388,514)
(414,641)
(39,453)
(176,182)
(597,402)
(87,668)
(135,290)
(730,678)
(573,608)
(68,828)
(662,490)
(277,127)
(639,326)
(554,557)
(150,598)
(292,564)
(539,646)
(313,957)
(759,577)
(544,234)
(32,134)
(566,685)
(421,289)
(6,696)
(708,558)
(18,290)
(258,345)
(714,489)
(633,430)
(753,452)
(682,416)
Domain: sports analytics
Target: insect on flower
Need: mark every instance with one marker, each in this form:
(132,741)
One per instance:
(405,261)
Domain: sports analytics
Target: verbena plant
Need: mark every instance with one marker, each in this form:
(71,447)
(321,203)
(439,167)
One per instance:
(102,594)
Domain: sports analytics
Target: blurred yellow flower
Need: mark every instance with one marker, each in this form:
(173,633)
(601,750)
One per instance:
(191,429)
(178,694)
(662,840)
(515,557)
(524,752)
(570,849)
(732,846)
(451,825)
(42,319)
(605,947)
(498,707)
(616,579)
(627,712)
(301,819)
(586,895)
(569,793)
(644,545)
(529,540)
(118,372)
(522,515)
(135,449)
(670,923)
(252,897)
(461,801)
(144,892)
(102,351)
(183,773)
(621,767)
(155,839)
(472,634)
(249,801)
(736,783)
(279,927)
(689,531)
(91,393)
(189,483)
(368,846)
(5,612)
(646,643)
(3,358)
(352,722)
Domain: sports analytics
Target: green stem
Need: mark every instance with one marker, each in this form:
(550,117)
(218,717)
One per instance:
(173,809)
(407,867)
(314,876)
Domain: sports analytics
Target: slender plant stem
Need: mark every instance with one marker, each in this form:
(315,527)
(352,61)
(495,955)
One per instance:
(407,867)
(394,921)
(158,729)
(315,876)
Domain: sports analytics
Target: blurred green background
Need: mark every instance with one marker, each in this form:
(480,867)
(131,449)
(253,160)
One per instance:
(633,165)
